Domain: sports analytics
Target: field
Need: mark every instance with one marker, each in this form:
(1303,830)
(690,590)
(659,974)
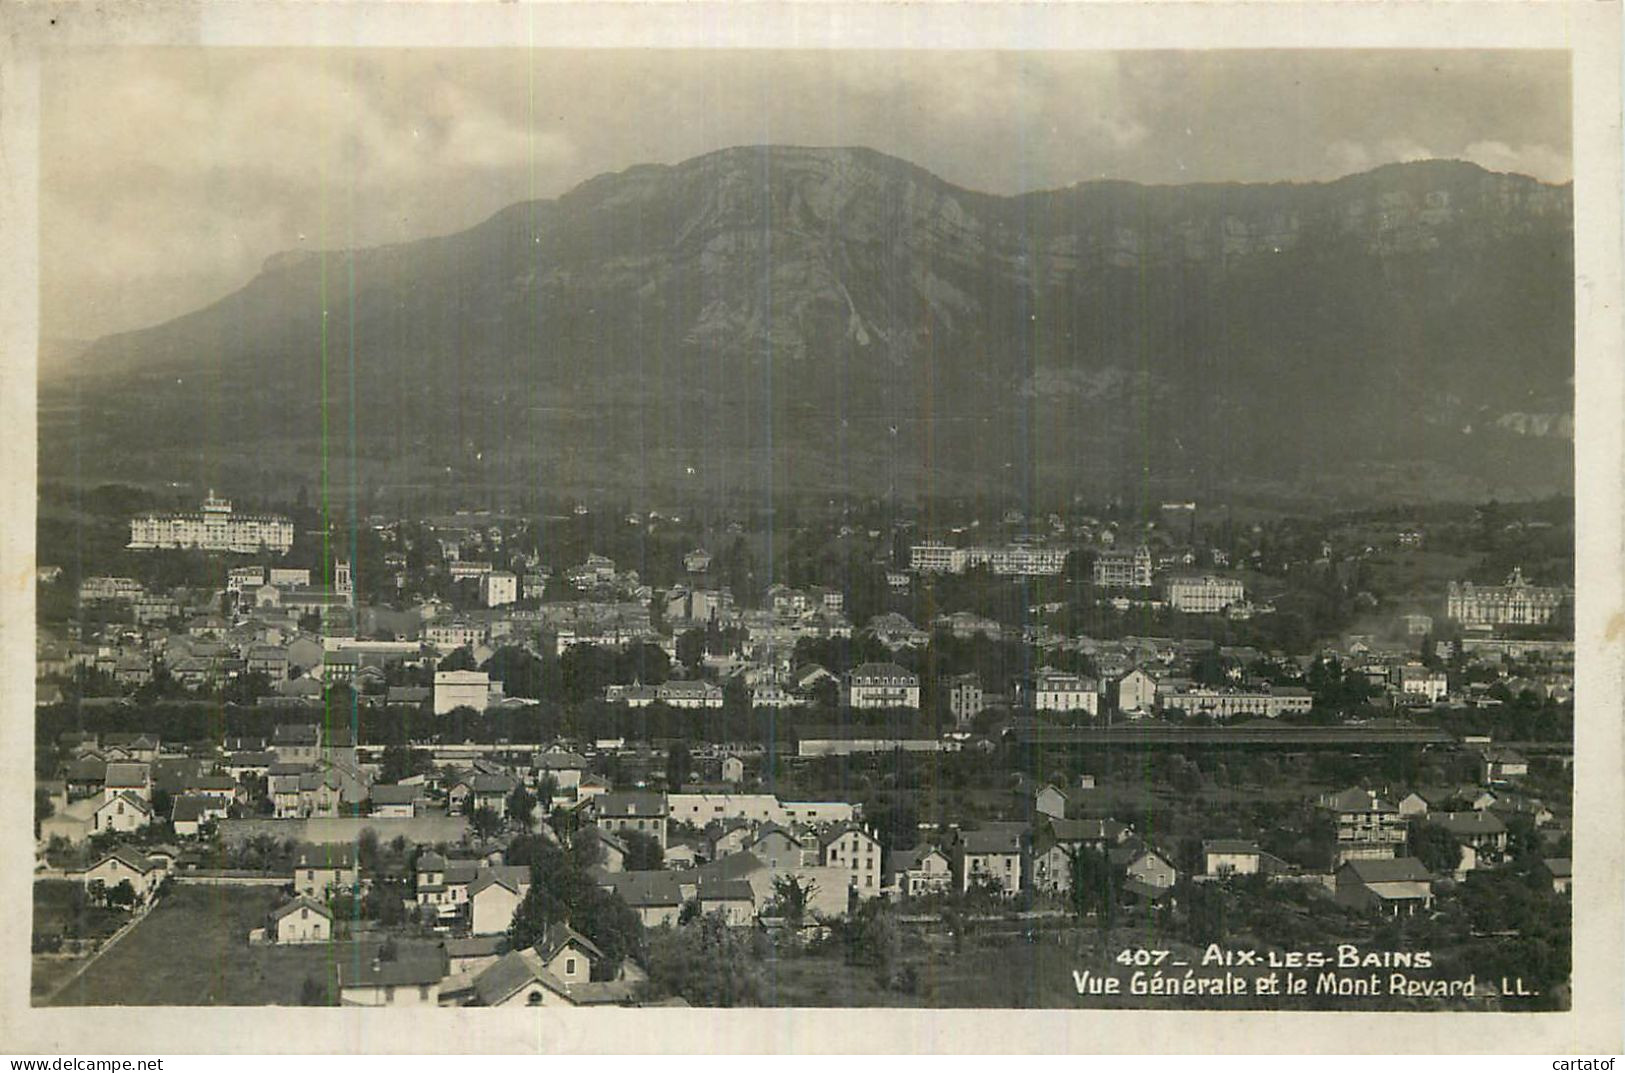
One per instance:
(1008,965)
(55,913)
(192,950)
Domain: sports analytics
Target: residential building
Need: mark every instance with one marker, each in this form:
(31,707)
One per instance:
(1136,691)
(122,813)
(395,802)
(990,856)
(1401,886)
(493,896)
(303,920)
(1056,843)
(1231,857)
(880,685)
(411,978)
(1480,829)
(858,854)
(1368,826)
(689,693)
(1496,765)
(1413,680)
(919,872)
(965,698)
(1561,872)
(498,589)
(320,870)
(128,778)
(122,865)
(464,689)
(623,812)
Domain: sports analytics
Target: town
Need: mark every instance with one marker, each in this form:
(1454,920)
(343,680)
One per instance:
(859,755)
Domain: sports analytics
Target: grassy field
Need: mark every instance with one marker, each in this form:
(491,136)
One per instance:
(1010,966)
(1006,968)
(192,950)
(56,914)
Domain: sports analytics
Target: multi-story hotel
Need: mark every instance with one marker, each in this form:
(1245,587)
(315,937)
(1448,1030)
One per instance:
(1515,603)
(1009,560)
(214,528)
(1203,595)
(110,588)
(1050,690)
(933,557)
(1369,828)
(1230,703)
(1124,569)
(880,685)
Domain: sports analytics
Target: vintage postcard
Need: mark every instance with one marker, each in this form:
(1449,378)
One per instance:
(885,527)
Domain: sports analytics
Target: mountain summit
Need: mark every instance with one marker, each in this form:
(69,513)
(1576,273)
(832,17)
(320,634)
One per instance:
(782,320)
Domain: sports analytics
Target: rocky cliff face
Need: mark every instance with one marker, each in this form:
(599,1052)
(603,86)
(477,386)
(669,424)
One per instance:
(821,320)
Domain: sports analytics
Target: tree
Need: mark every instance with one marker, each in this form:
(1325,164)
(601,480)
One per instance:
(461,659)
(312,993)
(707,963)
(643,852)
(691,648)
(384,902)
(44,809)
(1433,845)
(678,765)
(367,850)
(560,890)
(791,897)
(121,896)
(522,807)
(485,822)
(400,762)
(873,938)
(1096,887)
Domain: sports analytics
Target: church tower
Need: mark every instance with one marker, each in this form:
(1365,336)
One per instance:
(342,585)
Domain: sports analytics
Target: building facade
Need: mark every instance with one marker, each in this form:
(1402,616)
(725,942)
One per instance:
(1516,603)
(880,685)
(1124,569)
(214,528)
(1207,595)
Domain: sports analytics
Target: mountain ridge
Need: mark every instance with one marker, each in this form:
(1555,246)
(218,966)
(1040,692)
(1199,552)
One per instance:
(901,332)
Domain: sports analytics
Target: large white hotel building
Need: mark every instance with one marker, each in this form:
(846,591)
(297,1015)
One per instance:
(214,528)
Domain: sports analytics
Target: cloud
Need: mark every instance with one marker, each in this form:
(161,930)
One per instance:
(1541,161)
(169,175)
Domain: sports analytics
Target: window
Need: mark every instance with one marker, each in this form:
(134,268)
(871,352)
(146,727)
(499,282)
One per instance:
(389,994)
(304,914)
(423,991)
(569,966)
(534,999)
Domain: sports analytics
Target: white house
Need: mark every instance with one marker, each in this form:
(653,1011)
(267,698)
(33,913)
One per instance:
(493,896)
(123,813)
(857,853)
(302,920)
(464,689)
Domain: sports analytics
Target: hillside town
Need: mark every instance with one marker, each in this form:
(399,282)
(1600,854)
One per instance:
(619,758)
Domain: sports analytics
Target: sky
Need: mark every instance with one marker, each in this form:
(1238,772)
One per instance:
(168,176)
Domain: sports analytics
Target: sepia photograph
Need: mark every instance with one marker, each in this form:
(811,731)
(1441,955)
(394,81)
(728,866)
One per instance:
(938,528)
